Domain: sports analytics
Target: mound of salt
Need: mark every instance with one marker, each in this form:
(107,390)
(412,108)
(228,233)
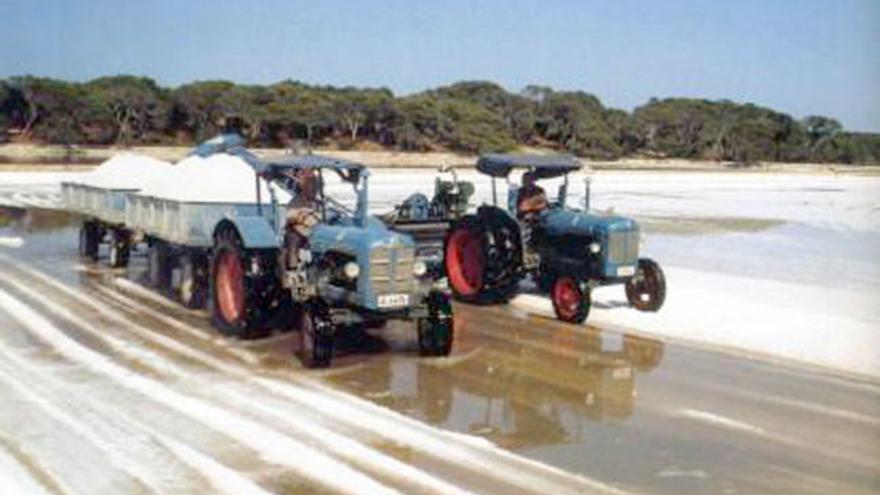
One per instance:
(219,178)
(126,171)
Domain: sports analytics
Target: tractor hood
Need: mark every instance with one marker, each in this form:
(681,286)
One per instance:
(344,236)
(570,222)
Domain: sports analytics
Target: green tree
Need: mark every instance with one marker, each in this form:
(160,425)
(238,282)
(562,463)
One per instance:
(137,106)
(198,108)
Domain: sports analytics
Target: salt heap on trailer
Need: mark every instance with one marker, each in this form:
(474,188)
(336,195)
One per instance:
(218,178)
(125,171)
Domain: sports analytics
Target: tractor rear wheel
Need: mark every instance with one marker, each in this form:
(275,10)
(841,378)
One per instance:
(236,297)
(646,290)
(571,301)
(464,262)
(482,262)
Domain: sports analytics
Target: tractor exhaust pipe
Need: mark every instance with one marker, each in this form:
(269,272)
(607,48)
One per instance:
(587,181)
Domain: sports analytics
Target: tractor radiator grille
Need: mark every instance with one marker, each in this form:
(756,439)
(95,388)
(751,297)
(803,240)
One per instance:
(623,247)
(391,270)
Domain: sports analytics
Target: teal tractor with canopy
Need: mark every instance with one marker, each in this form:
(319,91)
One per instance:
(566,251)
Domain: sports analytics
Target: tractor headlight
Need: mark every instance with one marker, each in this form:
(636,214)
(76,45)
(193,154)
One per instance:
(420,268)
(595,247)
(351,270)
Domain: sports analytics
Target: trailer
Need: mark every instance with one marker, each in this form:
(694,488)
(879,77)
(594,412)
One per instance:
(100,197)
(241,255)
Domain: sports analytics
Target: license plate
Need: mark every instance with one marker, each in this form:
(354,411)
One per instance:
(393,301)
(626,271)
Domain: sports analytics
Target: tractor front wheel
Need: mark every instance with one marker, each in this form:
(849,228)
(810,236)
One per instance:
(571,301)
(436,332)
(646,290)
(315,336)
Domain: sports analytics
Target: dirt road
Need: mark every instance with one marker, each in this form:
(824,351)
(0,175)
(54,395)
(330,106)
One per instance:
(108,387)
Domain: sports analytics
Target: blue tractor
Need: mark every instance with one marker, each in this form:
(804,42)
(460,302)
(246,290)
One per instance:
(566,251)
(313,263)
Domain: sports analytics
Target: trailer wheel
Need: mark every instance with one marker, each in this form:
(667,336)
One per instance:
(436,332)
(237,299)
(158,273)
(646,291)
(315,336)
(192,289)
(571,303)
(120,248)
(88,240)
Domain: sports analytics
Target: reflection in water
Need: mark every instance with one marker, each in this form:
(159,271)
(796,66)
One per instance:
(520,382)
(35,219)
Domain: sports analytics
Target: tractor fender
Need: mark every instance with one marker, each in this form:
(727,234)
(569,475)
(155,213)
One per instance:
(494,216)
(255,232)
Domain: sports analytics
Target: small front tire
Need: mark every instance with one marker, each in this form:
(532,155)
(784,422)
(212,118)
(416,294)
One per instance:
(571,301)
(436,332)
(315,337)
(646,291)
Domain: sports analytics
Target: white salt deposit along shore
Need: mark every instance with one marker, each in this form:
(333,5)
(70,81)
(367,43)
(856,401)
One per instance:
(830,328)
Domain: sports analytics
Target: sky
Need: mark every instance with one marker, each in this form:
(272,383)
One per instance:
(802,57)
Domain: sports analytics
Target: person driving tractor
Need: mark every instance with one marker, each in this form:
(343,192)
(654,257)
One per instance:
(531,199)
(302,215)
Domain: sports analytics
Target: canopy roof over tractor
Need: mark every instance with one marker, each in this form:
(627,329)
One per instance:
(544,166)
(347,170)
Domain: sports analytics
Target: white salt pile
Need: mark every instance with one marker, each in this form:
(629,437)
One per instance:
(125,171)
(219,178)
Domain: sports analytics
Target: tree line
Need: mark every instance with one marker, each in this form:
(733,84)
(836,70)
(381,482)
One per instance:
(470,116)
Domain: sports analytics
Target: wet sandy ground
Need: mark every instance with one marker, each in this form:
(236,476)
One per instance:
(108,387)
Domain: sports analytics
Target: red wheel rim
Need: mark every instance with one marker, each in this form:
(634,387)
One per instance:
(464,262)
(230,287)
(566,297)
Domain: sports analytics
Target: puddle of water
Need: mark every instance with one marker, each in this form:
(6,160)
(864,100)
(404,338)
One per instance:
(519,382)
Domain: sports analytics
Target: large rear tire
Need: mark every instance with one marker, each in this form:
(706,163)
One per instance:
(236,297)
(571,301)
(646,290)
(482,261)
